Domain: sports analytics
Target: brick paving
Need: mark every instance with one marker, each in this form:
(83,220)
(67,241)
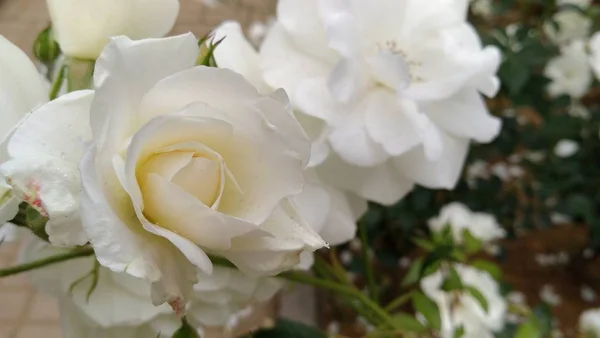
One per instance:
(23,312)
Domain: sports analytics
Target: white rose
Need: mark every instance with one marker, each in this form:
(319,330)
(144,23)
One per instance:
(83,27)
(569,72)
(396,82)
(330,212)
(22,88)
(183,160)
(572,25)
(460,218)
(461,309)
(482,8)
(595,54)
(120,305)
(589,323)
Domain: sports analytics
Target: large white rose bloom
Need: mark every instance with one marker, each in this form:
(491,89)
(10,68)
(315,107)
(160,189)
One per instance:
(480,225)
(396,82)
(22,88)
(182,161)
(570,72)
(461,309)
(83,27)
(120,305)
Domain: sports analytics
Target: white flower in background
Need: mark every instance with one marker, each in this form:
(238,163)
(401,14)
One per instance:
(569,72)
(22,88)
(548,295)
(482,8)
(461,309)
(120,305)
(581,3)
(572,25)
(566,148)
(594,46)
(83,27)
(183,160)
(397,83)
(589,323)
(483,226)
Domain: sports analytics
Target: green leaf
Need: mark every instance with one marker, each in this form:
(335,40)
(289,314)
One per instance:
(528,330)
(414,273)
(289,329)
(186,331)
(479,297)
(514,74)
(459,332)
(489,267)
(471,243)
(423,243)
(428,309)
(408,323)
(452,281)
(543,316)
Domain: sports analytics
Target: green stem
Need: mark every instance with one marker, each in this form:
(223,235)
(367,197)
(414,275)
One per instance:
(58,82)
(79,252)
(399,301)
(372,286)
(341,289)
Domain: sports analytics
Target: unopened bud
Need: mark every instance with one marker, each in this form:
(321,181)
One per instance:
(45,48)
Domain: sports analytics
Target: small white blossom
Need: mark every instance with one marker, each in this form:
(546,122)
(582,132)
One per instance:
(566,148)
(346,257)
(569,72)
(516,297)
(460,308)
(572,25)
(404,262)
(558,218)
(481,225)
(588,294)
(549,295)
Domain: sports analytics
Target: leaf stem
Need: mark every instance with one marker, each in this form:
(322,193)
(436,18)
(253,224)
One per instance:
(299,277)
(76,253)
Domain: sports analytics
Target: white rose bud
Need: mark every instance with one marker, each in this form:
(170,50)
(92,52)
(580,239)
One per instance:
(83,27)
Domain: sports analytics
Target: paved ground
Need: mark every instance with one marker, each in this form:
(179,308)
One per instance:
(23,313)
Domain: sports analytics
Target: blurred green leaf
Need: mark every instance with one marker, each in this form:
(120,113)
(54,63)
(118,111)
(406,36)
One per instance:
(414,273)
(186,331)
(428,309)
(494,270)
(479,297)
(408,323)
(528,330)
(452,281)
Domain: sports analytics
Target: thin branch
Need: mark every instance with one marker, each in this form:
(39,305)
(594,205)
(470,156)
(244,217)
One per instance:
(76,253)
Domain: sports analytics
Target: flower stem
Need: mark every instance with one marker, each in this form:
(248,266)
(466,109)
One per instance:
(76,253)
(58,82)
(299,277)
(362,229)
